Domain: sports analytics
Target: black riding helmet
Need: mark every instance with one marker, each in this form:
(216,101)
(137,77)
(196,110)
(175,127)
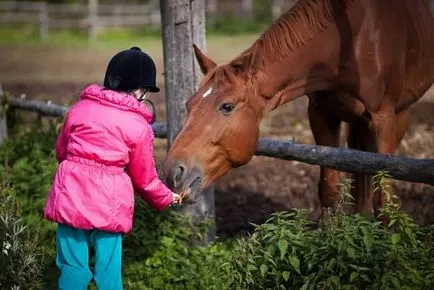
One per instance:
(129,70)
(132,69)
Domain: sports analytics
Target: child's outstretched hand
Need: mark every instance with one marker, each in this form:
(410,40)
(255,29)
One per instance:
(176,198)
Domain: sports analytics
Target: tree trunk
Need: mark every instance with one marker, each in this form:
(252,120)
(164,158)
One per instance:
(184,24)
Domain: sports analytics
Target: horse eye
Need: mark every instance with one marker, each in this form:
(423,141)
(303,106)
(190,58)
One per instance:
(226,108)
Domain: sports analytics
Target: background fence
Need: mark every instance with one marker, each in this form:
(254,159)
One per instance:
(95,15)
(344,159)
(90,16)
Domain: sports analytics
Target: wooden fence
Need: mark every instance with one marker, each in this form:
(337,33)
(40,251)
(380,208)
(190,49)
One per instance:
(90,17)
(344,159)
(93,15)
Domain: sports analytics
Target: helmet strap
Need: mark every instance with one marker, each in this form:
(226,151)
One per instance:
(142,96)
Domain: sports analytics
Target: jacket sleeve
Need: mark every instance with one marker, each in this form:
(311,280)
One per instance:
(141,169)
(62,141)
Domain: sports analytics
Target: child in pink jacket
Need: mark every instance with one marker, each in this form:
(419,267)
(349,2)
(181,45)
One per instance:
(105,151)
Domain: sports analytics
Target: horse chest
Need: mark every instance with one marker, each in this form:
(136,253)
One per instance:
(341,104)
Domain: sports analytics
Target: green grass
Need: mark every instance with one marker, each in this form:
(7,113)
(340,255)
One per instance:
(29,36)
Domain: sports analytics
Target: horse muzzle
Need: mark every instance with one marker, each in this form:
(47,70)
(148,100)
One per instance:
(180,178)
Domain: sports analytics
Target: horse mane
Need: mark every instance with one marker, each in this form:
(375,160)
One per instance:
(290,31)
(295,27)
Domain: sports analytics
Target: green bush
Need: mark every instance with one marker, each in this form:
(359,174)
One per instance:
(346,252)
(165,251)
(19,261)
(158,252)
(232,25)
(30,154)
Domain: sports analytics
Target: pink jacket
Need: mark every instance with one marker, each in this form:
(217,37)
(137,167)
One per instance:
(105,149)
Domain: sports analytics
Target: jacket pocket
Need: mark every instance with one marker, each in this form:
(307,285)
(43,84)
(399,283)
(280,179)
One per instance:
(62,215)
(125,197)
(59,189)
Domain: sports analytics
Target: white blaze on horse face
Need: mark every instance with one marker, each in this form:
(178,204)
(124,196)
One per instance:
(207,93)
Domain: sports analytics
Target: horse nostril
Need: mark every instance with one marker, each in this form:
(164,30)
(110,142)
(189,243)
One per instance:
(178,174)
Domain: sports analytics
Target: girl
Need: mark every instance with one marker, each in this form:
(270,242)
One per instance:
(105,151)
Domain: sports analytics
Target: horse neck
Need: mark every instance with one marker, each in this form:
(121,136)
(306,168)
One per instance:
(302,72)
(299,57)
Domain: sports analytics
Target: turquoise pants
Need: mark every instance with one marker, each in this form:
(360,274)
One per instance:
(72,258)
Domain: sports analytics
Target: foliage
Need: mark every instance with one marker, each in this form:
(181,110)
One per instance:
(346,252)
(231,25)
(30,155)
(166,251)
(158,252)
(19,262)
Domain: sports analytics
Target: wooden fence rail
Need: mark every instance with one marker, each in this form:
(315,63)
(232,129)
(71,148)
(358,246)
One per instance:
(90,16)
(344,159)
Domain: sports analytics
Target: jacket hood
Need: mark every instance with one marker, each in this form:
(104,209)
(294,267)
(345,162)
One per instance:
(116,99)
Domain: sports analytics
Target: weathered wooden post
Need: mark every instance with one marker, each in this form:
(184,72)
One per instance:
(276,8)
(211,10)
(184,24)
(247,10)
(92,18)
(43,21)
(3,126)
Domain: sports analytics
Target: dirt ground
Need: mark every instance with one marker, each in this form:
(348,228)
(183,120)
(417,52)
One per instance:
(250,193)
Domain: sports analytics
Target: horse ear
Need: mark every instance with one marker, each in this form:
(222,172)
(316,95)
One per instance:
(205,63)
(249,62)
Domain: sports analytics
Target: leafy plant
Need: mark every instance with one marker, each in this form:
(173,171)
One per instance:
(346,252)
(19,262)
(163,253)
(158,252)
(286,252)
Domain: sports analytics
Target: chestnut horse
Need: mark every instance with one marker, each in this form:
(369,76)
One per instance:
(363,62)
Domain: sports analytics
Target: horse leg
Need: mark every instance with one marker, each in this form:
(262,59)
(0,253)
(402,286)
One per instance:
(401,128)
(360,138)
(326,131)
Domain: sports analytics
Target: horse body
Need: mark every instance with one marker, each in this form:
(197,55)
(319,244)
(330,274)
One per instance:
(363,62)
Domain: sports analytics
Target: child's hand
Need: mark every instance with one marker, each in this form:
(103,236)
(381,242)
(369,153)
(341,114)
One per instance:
(176,198)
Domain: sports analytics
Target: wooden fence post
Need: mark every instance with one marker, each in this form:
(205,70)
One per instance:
(276,8)
(92,19)
(211,10)
(247,10)
(3,125)
(43,21)
(184,24)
